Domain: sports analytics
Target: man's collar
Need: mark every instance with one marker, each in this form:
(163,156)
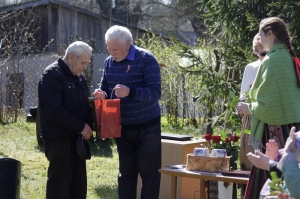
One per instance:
(131,53)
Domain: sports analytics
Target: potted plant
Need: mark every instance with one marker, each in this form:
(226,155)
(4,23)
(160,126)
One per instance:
(229,142)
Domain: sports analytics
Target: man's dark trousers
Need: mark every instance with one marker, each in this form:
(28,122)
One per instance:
(139,152)
(66,172)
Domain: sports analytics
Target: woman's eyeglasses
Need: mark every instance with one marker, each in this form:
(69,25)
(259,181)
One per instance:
(263,54)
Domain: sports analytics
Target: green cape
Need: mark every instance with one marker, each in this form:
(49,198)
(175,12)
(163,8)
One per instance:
(275,96)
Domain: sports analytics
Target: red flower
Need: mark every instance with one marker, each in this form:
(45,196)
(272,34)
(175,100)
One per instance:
(235,138)
(216,138)
(208,136)
(227,140)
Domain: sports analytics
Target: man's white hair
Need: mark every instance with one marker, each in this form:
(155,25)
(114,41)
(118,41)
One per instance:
(78,48)
(121,33)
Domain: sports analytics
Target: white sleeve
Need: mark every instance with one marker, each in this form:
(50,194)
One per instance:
(245,86)
(248,78)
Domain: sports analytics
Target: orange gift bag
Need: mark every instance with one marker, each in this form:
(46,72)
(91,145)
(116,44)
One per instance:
(108,118)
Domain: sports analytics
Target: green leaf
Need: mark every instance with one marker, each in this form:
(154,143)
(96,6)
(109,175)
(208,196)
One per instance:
(225,184)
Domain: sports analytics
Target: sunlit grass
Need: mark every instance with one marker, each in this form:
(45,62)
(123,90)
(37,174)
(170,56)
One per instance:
(18,141)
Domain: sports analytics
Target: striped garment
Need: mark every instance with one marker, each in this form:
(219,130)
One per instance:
(140,72)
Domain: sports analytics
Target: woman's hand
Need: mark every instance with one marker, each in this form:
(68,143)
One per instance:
(279,196)
(259,160)
(272,149)
(242,108)
(290,145)
(284,196)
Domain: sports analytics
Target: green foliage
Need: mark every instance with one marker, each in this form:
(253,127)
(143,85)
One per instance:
(180,127)
(236,22)
(230,113)
(226,184)
(215,89)
(177,86)
(276,184)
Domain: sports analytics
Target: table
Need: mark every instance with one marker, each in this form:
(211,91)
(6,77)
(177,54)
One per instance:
(203,176)
(175,152)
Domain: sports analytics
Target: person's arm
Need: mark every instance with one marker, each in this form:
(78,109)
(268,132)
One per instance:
(274,168)
(260,160)
(291,173)
(289,165)
(89,120)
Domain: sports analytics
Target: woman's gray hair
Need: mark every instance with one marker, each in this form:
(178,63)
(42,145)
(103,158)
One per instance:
(78,48)
(121,33)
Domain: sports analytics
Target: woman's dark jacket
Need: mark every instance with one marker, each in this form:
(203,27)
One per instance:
(63,102)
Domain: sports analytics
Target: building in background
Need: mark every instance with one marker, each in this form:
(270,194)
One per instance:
(59,25)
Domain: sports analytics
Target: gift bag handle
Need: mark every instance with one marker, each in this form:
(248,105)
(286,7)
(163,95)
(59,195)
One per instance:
(111,94)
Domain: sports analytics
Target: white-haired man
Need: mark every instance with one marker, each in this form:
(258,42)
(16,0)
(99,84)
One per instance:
(65,113)
(133,74)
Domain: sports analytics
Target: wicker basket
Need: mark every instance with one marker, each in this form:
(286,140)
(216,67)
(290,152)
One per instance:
(207,164)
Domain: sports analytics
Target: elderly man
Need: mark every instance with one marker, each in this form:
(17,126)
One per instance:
(65,114)
(133,75)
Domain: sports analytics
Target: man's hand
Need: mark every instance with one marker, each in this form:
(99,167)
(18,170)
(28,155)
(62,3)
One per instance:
(99,94)
(87,132)
(121,90)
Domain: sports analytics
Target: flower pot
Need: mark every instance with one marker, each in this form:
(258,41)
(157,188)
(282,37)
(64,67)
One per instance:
(223,192)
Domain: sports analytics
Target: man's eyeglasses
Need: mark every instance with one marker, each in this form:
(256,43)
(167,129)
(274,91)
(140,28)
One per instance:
(263,54)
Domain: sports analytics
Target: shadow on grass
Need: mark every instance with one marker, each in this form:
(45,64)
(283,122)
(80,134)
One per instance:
(2,155)
(101,148)
(40,148)
(107,192)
